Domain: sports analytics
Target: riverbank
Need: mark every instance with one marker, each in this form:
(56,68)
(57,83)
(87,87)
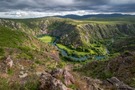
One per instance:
(70,54)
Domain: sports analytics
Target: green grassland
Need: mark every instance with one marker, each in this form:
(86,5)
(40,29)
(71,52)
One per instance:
(47,39)
(74,52)
(93,50)
(95,20)
(11,38)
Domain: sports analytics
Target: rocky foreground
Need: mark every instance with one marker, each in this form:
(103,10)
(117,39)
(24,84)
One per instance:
(66,79)
(62,79)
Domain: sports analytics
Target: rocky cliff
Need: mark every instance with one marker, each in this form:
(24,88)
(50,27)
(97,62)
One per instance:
(73,32)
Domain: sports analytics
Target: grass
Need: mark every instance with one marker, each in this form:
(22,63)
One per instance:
(72,52)
(10,38)
(100,21)
(47,39)
(4,84)
(69,51)
(123,19)
(96,69)
(120,44)
(10,72)
(1,52)
(31,84)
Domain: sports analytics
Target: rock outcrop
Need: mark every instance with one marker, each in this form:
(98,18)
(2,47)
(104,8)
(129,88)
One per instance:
(63,74)
(58,79)
(61,79)
(118,84)
(48,82)
(109,84)
(93,84)
(9,62)
(121,67)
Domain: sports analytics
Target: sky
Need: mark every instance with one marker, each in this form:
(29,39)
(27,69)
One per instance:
(41,8)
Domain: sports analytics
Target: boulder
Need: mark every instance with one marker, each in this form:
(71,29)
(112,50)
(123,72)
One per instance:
(9,62)
(48,82)
(93,84)
(63,74)
(23,75)
(68,78)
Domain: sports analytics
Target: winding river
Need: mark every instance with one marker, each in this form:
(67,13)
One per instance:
(74,58)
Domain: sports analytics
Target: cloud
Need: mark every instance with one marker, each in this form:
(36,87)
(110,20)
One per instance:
(117,2)
(33,14)
(55,6)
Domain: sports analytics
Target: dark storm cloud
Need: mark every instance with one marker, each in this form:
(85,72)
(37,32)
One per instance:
(68,5)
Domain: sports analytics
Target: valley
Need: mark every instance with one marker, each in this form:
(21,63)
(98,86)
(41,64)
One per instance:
(68,53)
(96,51)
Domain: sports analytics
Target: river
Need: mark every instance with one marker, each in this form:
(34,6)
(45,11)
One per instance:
(74,58)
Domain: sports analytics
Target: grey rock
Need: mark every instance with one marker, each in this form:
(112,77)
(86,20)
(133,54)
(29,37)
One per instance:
(23,75)
(48,82)
(67,76)
(118,84)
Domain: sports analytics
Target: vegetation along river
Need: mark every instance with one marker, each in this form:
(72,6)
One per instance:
(48,39)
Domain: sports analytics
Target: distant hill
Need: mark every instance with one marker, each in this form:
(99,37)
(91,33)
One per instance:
(72,16)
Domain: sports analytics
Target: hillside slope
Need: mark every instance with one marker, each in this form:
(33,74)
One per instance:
(22,58)
(76,34)
(121,67)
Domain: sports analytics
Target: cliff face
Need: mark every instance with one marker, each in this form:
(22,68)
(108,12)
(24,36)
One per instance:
(103,31)
(78,34)
(87,33)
